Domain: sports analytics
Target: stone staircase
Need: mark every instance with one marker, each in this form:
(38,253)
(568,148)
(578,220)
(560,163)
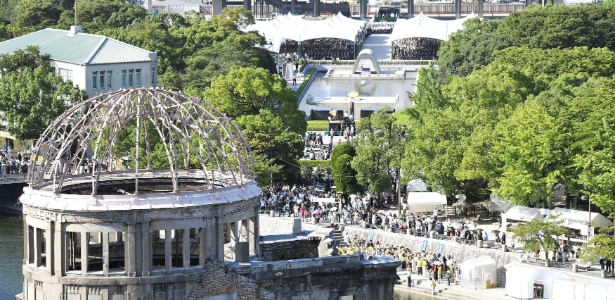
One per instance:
(338,235)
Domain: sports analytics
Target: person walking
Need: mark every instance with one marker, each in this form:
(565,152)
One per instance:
(294,78)
(439,273)
(433,286)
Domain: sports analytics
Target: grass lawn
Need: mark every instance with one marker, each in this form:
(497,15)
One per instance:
(317,125)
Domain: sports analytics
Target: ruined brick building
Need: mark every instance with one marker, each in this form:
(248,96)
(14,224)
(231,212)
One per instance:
(134,195)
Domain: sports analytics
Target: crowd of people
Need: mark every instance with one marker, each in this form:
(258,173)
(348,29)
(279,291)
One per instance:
(314,147)
(380,28)
(437,267)
(13,165)
(328,49)
(415,48)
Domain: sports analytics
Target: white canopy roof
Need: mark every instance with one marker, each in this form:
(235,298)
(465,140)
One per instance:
(423,26)
(520,280)
(425,201)
(291,27)
(578,219)
(417,185)
(497,204)
(426,198)
(522,213)
(478,262)
(600,289)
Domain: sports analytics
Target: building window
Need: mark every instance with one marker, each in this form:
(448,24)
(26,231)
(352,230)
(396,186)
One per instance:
(138,77)
(153,76)
(131,73)
(94,80)
(101,77)
(66,74)
(109,79)
(123,79)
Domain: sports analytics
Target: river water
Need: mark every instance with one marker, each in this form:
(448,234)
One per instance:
(11,256)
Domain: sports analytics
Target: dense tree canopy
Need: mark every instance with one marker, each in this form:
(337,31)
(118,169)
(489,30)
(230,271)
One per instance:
(31,95)
(380,148)
(265,108)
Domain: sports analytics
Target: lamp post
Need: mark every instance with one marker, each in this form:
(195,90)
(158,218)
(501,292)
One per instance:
(589,218)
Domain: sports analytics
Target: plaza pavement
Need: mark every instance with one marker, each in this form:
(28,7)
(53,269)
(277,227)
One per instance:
(380,46)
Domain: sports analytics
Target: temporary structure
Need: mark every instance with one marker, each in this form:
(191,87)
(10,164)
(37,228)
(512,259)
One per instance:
(290,27)
(565,289)
(426,201)
(600,289)
(478,272)
(577,219)
(423,26)
(527,282)
(499,205)
(522,213)
(417,185)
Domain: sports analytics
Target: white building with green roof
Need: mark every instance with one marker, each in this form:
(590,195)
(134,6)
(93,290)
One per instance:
(94,63)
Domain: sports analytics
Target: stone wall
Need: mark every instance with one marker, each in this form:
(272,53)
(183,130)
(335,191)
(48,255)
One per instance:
(459,252)
(220,279)
(317,278)
(289,249)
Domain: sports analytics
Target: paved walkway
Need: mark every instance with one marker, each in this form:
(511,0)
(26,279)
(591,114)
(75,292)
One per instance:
(380,46)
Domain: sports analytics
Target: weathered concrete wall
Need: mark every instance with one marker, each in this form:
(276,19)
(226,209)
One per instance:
(459,252)
(276,225)
(292,249)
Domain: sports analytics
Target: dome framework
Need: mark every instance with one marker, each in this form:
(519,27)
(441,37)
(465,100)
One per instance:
(188,137)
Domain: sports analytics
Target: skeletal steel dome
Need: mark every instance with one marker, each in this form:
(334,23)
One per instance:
(140,141)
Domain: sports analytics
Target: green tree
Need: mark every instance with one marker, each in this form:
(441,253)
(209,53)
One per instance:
(379,151)
(530,145)
(37,13)
(344,176)
(341,149)
(471,48)
(97,15)
(592,115)
(265,108)
(246,91)
(559,26)
(271,137)
(601,245)
(539,235)
(32,96)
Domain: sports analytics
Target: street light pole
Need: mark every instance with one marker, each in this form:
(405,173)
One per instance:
(398,191)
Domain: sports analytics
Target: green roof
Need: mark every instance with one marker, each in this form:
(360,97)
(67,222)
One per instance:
(80,48)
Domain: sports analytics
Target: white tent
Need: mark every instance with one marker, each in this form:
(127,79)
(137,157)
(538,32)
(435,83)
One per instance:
(600,289)
(522,213)
(577,219)
(426,201)
(478,272)
(290,27)
(565,289)
(522,281)
(499,205)
(417,185)
(423,26)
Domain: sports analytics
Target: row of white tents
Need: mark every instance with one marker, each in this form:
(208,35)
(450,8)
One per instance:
(575,219)
(293,27)
(526,281)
